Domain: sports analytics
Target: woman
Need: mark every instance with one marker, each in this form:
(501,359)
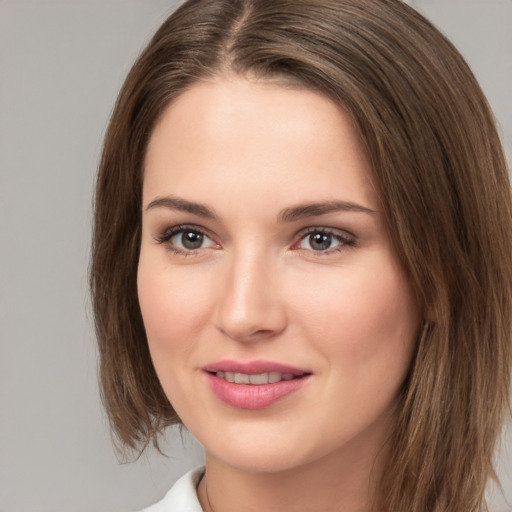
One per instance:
(302,252)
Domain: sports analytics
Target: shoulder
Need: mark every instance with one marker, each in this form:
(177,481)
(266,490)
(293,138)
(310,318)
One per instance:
(182,497)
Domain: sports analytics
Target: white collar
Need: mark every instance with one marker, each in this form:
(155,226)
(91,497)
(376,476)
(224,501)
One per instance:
(182,497)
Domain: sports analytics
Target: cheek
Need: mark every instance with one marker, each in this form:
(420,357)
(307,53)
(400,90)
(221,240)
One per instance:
(363,319)
(174,305)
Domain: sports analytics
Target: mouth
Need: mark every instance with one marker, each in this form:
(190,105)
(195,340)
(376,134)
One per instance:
(258,379)
(254,385)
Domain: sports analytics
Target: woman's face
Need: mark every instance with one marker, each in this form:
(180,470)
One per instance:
(265,259)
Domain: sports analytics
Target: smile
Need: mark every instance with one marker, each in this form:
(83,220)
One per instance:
(258,379)
(255,384)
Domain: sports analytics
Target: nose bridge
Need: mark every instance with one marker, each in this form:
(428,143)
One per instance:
(249,307)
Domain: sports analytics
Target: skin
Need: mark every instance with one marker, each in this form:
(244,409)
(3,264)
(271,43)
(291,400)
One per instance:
(258,288)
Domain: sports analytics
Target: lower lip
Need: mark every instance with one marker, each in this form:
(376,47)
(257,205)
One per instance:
(251,396)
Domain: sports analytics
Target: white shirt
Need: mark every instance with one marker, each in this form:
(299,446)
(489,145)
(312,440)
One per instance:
(182,497)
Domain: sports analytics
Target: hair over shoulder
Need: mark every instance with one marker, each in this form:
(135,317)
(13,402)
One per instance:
(441,174)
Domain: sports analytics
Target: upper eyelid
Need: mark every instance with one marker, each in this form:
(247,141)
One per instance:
(324,229)
(347,240)
(167,233)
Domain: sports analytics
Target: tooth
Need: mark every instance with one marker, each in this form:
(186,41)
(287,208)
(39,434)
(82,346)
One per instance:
(274,377)
(258,379)
(242,378)
(261,378)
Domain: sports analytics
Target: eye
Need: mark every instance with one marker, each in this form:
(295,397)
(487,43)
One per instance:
(189,240)
(325,240)
(186,239)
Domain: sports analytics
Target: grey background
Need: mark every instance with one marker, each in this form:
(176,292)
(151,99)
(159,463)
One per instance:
(61,66)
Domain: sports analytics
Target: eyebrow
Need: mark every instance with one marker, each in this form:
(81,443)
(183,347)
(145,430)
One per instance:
(176,203)
(287,215)
(322,208)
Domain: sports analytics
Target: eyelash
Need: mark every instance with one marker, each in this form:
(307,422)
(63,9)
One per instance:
(166,236)
(345,240)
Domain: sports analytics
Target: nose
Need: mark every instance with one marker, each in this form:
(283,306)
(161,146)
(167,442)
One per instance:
(250,308)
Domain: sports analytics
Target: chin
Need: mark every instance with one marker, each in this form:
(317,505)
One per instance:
(264,454)
(259,463)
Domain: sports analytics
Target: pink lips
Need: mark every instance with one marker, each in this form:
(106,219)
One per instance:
(253,396)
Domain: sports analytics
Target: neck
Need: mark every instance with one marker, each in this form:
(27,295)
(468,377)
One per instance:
(338,482)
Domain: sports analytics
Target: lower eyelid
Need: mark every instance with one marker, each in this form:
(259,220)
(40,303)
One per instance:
(165,238)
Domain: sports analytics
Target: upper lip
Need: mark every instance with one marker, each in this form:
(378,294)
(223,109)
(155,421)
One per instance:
(252,367)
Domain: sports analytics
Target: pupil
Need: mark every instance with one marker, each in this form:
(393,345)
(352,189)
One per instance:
(191,240)
(320,241)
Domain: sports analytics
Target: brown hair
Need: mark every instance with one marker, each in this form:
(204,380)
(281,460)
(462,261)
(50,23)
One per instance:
(442,178)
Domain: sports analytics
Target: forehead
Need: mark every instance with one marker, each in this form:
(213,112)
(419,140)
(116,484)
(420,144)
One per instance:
(234,133)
